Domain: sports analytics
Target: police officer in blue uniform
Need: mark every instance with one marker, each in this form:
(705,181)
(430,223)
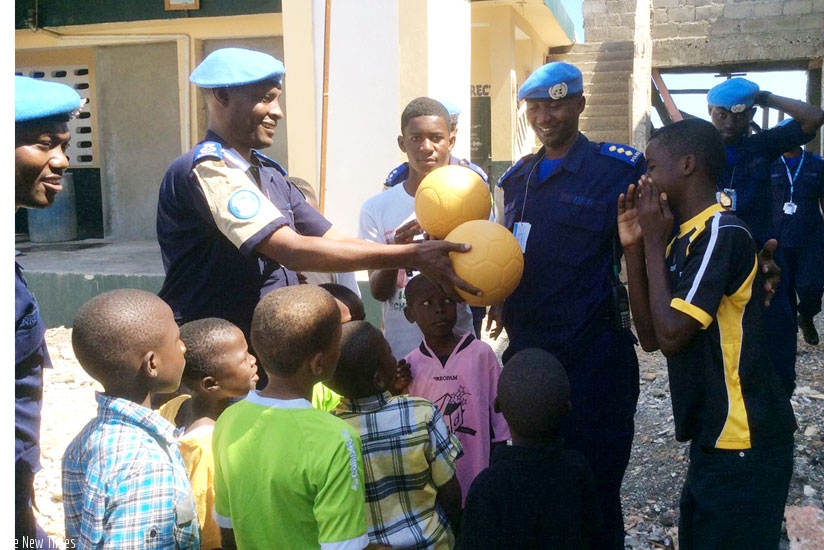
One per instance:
(561,205)
(230,227)
(42,111)
(400,174)
(798,203)
(744,187)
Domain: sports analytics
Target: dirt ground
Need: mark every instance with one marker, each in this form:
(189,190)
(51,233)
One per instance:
(651,486)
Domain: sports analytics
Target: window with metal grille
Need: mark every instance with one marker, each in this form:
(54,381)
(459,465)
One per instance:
(84,135)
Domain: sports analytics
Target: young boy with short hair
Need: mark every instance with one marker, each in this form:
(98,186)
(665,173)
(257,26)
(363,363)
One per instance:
(697,297)
(288,475)
(124,481)
(389,217)
(408,452)
(219,370)
(458,373)
(535,494)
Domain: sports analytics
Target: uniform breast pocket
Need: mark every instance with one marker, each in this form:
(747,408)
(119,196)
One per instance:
(580,223)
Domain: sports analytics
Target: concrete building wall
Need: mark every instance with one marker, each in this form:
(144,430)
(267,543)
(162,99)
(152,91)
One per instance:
(713,32)
(135,90)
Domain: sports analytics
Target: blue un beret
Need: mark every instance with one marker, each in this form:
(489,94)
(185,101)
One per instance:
(735,95)
(552,81)
(451,108)
(236,67)
(35,98)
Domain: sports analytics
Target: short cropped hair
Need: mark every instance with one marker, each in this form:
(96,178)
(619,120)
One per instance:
(533,393)
(415,285)
(360,346)
(112,331)
(697,137)
(292,323)
(204,339)
(349,299)
(424,106)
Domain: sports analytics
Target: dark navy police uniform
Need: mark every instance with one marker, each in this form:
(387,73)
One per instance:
(747,172)
(35,101)
(800,181)
(31,356)
(213,209)
(562,303)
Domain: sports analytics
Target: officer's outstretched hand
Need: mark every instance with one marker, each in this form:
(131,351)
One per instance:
(771,271)
(629,230)
(432,259)
(495,315)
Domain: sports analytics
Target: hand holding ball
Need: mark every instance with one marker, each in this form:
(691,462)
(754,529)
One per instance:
(449,196)
(494,264)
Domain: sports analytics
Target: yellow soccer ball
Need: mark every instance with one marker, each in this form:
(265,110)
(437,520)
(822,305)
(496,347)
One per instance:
(449,196)
(494,264)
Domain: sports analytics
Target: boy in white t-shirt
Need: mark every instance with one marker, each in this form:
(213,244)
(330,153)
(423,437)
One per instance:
(389,217)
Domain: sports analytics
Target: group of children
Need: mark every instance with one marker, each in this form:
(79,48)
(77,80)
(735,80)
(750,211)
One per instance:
(222,465)
(442,449)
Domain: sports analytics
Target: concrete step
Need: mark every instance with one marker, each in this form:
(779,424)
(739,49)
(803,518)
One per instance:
(599,66)
(585,57)
(616,86)
(604,123)
(598,47)
(600,111)
(610,98)
(612,136)
(609,77)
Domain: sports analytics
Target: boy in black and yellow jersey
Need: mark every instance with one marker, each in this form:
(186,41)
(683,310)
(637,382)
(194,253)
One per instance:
(697,298)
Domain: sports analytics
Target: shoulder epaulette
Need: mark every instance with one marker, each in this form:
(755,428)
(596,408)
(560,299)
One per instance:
(270,162)
(621,152)
(208,150)
(398,175)
(475,168)
(511,169)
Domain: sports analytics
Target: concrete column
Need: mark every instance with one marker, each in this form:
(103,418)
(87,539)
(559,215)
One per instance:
(504,89)
(641,79)
(301,53)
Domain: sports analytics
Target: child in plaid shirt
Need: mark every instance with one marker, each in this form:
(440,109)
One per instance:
(124,481)
(409,454)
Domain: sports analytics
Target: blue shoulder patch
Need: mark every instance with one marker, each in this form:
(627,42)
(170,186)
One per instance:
(208,150)
(399,175)
(271,162)
(621,152)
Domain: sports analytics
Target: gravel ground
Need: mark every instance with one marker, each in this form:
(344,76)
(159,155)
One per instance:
(651,486)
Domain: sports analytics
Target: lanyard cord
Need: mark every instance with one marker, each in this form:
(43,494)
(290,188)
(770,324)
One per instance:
(794,177)
(529,176)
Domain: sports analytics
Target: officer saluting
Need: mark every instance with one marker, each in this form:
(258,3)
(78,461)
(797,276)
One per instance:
(561,205)
(42,111)
(744,187)
(230,227)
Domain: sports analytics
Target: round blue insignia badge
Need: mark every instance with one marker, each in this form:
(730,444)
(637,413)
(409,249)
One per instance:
(244,204)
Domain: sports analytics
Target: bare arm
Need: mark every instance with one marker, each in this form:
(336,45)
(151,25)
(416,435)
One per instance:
(382,283)
(808,116)
(632,241)
(673,329)
(332,253)
(227,539)
(450,496)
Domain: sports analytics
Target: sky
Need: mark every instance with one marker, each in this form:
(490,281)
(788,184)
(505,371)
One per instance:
(792,84)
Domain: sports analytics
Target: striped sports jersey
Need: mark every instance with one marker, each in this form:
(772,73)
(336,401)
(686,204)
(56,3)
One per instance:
(725,393)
